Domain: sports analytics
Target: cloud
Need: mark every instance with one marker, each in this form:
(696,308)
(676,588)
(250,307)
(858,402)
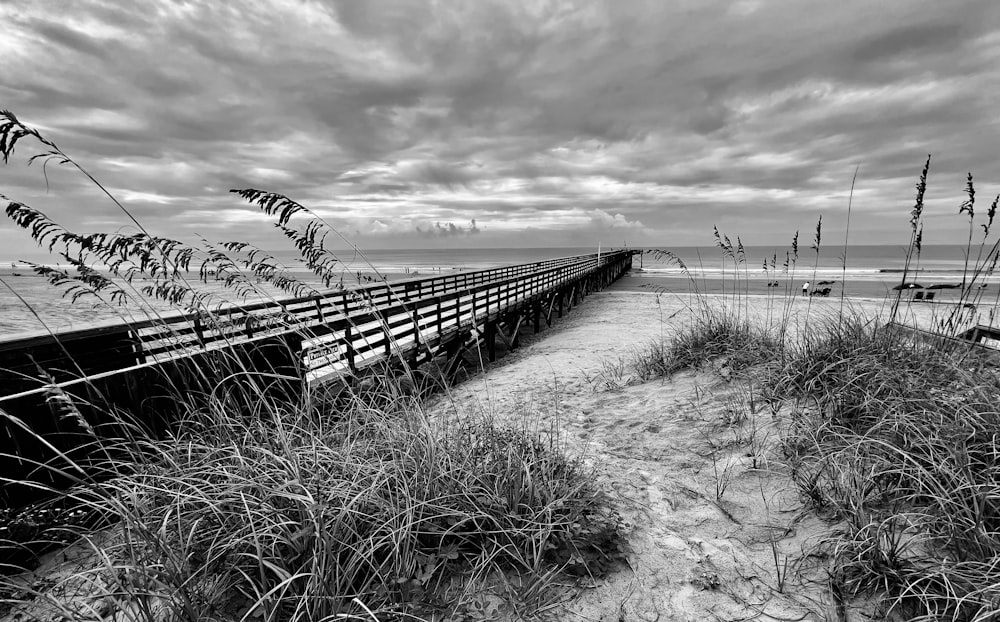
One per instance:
(604,220)
(545,122)
(448,229)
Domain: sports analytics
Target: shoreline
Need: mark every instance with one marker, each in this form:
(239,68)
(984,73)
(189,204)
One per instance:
(986,294)
(60,314)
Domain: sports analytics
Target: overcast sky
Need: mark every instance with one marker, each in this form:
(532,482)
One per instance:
(413,123)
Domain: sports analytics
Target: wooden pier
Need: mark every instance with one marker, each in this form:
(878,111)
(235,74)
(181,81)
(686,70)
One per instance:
(141,367)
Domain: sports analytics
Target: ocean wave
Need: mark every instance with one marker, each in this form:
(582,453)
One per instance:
(837,274)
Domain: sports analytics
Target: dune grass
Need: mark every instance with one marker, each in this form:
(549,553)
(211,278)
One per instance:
(892,434)
(303,504)
(898,440)
(288,513)
(713,333)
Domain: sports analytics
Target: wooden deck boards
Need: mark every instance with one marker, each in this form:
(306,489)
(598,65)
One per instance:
(141,366)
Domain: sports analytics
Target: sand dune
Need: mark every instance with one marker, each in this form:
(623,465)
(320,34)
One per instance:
(696,554)
(715,526)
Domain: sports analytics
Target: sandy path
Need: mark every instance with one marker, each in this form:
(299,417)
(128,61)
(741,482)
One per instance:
(697,555)
(706,499)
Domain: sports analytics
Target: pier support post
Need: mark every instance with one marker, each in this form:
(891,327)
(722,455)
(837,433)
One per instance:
(491,340)
(416,329)
(349,348)
(453,357)
(515,337)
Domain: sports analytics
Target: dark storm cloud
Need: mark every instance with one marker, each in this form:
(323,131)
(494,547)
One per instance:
(911,41)
(74,40)
(546,121)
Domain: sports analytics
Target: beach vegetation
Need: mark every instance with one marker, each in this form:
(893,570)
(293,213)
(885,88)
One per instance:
(259,498)
(285,513)
(896,438)
(712,335)
(887,430)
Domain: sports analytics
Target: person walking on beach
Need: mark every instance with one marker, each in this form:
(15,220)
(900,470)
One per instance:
(805,289)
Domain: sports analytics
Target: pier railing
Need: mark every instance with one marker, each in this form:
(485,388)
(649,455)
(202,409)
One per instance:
(429,321)
(146,368)
(85,352)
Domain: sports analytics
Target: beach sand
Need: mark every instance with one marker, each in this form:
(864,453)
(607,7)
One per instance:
(696,555)
(663,448)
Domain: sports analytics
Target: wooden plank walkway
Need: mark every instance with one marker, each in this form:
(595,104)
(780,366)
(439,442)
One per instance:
(71,354)
(979,340)
(981,333)
(143,366)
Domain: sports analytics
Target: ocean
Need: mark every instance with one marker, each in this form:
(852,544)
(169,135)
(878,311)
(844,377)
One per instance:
(28,304)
